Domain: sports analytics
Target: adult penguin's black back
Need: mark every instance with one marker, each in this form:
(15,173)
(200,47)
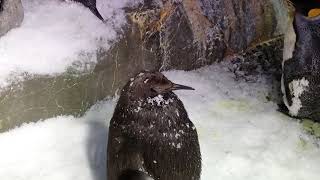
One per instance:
(150,133)
(91,4)
(304,6)
(301,72)
(1,5)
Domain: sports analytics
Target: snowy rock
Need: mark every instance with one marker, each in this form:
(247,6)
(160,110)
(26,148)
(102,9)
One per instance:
(193,33)
(55,71)
(263,59)
(257,144)
(11,15)
(158,35)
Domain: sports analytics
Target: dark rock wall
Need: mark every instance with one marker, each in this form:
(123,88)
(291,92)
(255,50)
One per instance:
(11,15)
(160,35)
(192,33)
(243,22)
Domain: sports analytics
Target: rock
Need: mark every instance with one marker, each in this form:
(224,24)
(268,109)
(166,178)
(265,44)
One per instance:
(262,59)
(11,15)
(192,33)
(39,97)
(188,45)
(159,35)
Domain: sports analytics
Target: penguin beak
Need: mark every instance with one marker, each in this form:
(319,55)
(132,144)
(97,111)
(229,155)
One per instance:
(179,86)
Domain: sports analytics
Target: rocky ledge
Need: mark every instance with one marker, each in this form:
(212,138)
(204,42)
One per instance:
(11,15)
(159,35)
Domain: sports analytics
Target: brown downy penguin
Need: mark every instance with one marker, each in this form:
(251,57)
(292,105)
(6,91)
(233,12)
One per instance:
(150,133)
(91,4)
(130,174)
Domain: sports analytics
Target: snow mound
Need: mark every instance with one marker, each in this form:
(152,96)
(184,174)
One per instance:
(55,33)
(242,136)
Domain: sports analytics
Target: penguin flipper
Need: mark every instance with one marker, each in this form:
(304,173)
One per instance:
(124,159)
(95,11)
(130,174)
(282,108)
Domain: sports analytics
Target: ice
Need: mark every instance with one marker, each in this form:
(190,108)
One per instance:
(242,136)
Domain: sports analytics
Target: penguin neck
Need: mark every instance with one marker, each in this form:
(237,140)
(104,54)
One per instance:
(162,102)
(162,109)
(162,119)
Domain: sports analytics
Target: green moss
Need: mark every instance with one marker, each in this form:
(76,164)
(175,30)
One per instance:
(46,96)
(316,129)
(307,125)
(311,127)
(302,144)
(234,105)
(305,145)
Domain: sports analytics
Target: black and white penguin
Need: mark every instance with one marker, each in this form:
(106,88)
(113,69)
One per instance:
(150,133)
(301,65)
(91,4)
(304,6)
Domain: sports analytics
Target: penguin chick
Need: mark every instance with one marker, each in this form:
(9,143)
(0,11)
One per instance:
(150,131)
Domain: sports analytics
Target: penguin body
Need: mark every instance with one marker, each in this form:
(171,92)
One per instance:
(301,72)
(304,6)
(130,174)
(150,132)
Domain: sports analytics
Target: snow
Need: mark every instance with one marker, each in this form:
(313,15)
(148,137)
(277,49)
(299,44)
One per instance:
(59,148)
(296,87)
(55,34)
(159,100)
(241,134)
(289,42)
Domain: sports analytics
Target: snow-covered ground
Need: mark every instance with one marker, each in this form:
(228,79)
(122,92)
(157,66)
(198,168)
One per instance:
(55,33)
(242,136)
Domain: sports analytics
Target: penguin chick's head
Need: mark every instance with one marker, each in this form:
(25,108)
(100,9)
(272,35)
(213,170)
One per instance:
(150,84)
